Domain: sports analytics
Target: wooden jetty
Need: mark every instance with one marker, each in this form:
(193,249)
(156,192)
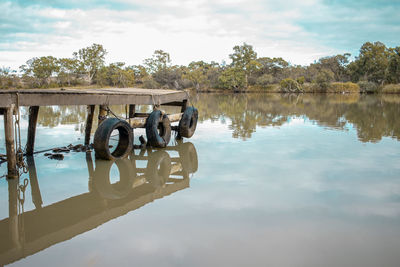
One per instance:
(11,100)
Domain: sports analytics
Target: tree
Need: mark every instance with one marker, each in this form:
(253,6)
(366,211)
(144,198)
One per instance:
(244,58)
(8,78)
(275,67)
(372,63)
(393,69)
(69,68)
(198,73)
(41,68)
(116,75)
(337,64)
(324,78)
(232,78)
(91,59)
(159,61)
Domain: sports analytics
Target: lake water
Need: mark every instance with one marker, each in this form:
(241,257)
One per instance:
(267,180)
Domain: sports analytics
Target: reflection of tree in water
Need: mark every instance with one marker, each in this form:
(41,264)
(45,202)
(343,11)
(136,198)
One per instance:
(52,116)
(372,116)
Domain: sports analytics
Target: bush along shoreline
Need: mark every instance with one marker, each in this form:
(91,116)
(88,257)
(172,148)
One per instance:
(376,69)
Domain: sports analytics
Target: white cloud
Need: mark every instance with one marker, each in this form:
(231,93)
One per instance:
(188,30)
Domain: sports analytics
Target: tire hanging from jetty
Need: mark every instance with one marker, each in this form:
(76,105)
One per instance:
(102,138)
(158,138)
(188,122)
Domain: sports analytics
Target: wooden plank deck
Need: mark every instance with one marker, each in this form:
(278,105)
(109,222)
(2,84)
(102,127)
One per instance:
(98,96)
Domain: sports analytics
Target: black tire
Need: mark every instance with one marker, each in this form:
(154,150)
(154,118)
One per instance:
(156,138)
(118,190)
(158,168)
(102,138)
(188,157)
(188,122)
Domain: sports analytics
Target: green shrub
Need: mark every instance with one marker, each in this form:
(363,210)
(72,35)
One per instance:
(323,79)
(368,87)
(391,89)
(289,85)
(347,87)
(265,80)
(301,80)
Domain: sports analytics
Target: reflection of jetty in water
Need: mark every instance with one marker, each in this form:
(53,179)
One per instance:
(26,233)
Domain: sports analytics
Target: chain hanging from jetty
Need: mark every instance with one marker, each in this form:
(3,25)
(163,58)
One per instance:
(18,144)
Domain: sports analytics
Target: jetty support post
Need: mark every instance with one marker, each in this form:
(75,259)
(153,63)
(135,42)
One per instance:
(33,116)
(132,111)
(102,113)
(10,144)
(184,105)
(89,123)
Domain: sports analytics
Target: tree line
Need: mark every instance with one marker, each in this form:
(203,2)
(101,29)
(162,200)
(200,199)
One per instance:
(374,67)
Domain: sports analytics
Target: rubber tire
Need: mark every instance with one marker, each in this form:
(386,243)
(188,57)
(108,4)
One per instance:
(188,157)
(188,122)
(102,138)
(158,168)
(154,138)
(101,179)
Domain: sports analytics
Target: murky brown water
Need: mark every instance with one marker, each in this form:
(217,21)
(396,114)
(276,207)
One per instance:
(267,180)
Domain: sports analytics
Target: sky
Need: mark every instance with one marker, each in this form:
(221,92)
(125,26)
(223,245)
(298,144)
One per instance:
(131,30)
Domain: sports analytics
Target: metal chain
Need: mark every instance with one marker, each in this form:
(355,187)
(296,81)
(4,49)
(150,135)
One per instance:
(19,153)
(112,113)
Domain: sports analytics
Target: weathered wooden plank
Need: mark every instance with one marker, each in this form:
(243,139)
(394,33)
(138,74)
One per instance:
(33,116)
(176,103)
(62,98)
(140,122)
(91,91)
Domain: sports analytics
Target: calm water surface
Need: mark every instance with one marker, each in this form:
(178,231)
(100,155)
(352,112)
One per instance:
(267,180)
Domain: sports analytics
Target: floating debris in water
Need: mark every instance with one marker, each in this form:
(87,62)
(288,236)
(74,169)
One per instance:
(61,149)
(56,156)
(143,143)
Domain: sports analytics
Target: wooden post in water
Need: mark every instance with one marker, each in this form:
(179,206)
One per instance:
(132,111)
(102,113)
(184,105)
(30,143)
(89,123)
(10,144)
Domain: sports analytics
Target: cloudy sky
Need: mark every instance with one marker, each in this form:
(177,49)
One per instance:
(130,30)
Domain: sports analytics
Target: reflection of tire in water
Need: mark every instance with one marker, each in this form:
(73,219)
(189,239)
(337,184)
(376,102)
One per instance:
(188,157)
(102,183)
(158,168)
